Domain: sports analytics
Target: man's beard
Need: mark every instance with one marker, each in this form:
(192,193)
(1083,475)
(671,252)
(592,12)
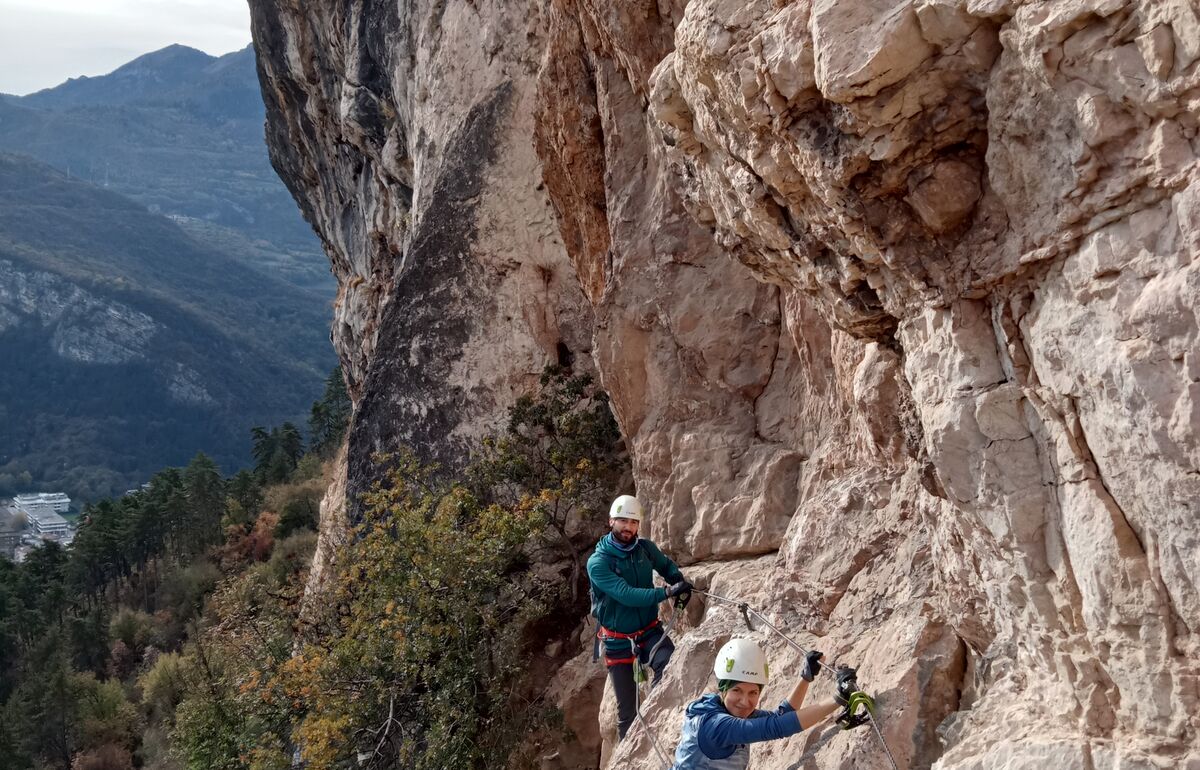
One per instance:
(625,537)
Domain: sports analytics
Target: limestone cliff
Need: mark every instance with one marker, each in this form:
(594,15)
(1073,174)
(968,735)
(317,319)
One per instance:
(894,300)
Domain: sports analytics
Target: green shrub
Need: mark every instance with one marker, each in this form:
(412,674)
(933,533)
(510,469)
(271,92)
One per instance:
(416,653)
(416,662)
(163,686)
(105,717)
(133,627)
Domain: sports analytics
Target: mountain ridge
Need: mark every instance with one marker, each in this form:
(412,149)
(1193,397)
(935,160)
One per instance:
(181,133)
(149,78)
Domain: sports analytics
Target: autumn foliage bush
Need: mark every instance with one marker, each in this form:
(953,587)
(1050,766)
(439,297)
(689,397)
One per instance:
(417,654)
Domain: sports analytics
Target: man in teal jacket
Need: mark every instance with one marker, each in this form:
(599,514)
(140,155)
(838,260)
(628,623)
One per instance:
(625,603)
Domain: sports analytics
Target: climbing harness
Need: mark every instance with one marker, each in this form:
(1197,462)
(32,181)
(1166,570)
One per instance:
(603,634)
(854,699)
(639,677)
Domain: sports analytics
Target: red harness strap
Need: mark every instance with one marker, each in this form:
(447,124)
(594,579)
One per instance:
(604,633)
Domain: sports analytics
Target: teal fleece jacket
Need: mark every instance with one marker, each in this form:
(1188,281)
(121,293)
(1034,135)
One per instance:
(625,581)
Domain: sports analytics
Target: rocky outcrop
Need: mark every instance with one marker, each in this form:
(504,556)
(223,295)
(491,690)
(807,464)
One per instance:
(893,300)
(404,134)
(83,327)
(1000,197)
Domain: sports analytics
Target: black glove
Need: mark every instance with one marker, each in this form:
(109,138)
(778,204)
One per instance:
(847,685)
(682,589)
(812,665)
(852,699)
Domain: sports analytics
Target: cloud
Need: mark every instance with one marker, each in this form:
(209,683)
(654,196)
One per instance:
(44,42)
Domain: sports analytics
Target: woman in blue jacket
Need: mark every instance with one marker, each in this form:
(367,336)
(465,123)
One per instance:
(718,727)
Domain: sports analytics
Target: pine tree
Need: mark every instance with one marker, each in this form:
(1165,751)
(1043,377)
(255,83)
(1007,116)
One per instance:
(292,443)
(263,444)
(246,491)
(205,492)
(329,417)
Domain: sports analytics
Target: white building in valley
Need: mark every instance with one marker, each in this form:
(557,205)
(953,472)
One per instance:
(51,526)
(42,502)
(43,511)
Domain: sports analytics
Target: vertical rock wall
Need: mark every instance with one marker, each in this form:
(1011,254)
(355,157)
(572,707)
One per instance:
(403,131)
(894,301)
(1004,196)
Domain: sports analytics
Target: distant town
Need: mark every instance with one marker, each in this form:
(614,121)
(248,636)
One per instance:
(29,520)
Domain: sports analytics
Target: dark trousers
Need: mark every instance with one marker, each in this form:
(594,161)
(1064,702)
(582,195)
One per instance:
(622,675)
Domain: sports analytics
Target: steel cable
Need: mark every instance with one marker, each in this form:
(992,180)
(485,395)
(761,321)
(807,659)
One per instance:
(747,610)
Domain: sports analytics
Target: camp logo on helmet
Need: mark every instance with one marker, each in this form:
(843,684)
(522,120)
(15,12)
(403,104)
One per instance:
(729,666)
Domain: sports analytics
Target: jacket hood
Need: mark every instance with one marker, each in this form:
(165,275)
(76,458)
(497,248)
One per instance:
(709,704)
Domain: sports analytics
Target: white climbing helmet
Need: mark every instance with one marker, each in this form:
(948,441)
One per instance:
(625,507)
(742,661)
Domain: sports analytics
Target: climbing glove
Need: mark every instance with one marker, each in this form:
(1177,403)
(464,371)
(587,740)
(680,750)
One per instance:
(847,685)
(682,589)
(812,665)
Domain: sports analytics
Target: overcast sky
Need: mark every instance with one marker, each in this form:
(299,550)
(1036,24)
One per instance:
(44,42)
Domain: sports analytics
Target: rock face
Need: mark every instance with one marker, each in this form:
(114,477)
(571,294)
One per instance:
(894,300)
(405,138)
(82,326)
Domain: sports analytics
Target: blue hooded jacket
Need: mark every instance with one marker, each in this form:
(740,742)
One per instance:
(714,739)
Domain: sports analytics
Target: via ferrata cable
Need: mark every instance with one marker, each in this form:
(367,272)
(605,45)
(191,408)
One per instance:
(833,665)
(637,701)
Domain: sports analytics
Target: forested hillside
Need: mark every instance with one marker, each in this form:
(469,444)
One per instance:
(91,634)
(172,633)
(132,344)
